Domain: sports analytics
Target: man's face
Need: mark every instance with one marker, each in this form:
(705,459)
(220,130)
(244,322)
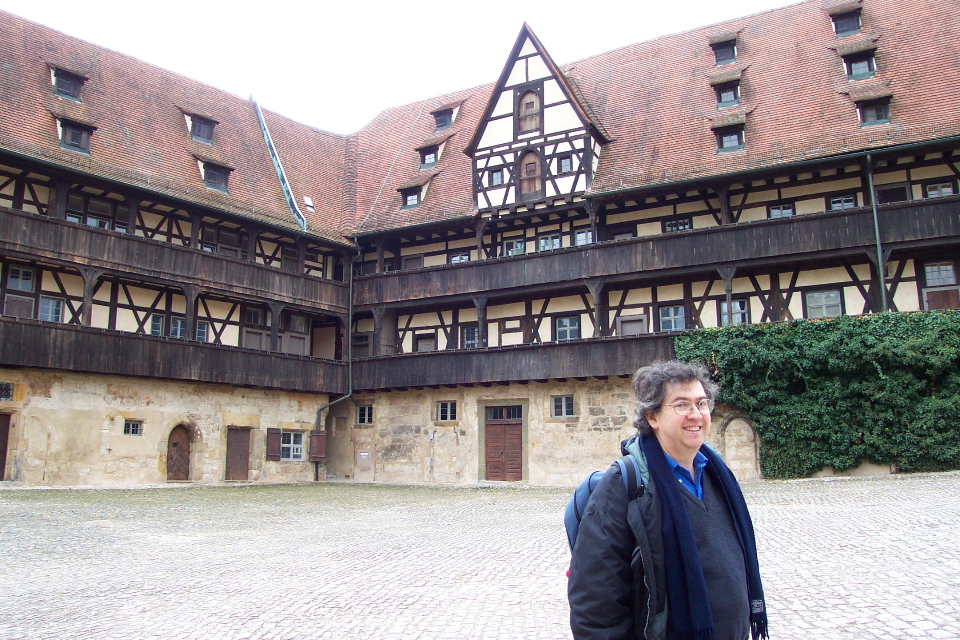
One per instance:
(681,436)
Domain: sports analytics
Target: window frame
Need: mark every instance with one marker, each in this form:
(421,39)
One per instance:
(727,46)
(65,90)
(202,331)
(568,159)
(724,134)
(458,257)
(216,177)
(672,318)
(426,153)
(838,18)
(132,427)
(365,414)
(21,270)
(831,201)
(554,238)
(473,343)
(743,313)
(727,86)
(680,224)
(495,177)
(633,318)
(929,282)
(563,406)
(939,183)
(527,159)
(853,59)
(425,337)
(777,210)
(893,186)
(199,126)
(821,291)
(75,136)
(582,237)
(43,309)
(517,243)
(292,451)
(873,112)
(528,123)
(447,411)
(156,324)
(443,119)
(410,198)
(563,333)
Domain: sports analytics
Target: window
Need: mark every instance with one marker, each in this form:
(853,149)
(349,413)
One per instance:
(360,344)
(823,304)
(495,177)
(673,318)
(253,316)
(203,330)
(725,52)
(728,94)
(839,203)
(365,414)
(178,328)
(782,210)
(514,247)
(633,325)
(428,157)
(443,118)
(6,392)
(505,413)
(566,328)
(939,189)
(425,342)
(860,65)
(215,176)
(291,445)
(156,325)
(289,259)
(410,197)
(459,257)
(51,309)
(895,193)
(133,427)
(201,129)
(549,242)
(67,84)
(940,274)
(739,310)
(845,24)
(470,337)
(297,323)
(17,306)
(729,138)
(74,136)
(530,174)
(562,407)
(447,411)
(877,112)
(583,236)
(566,164)
(20,279)
(679,224)
(528,110)
(225,242)
(412,262)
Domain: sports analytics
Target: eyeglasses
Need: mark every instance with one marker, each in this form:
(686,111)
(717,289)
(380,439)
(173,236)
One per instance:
(685,407)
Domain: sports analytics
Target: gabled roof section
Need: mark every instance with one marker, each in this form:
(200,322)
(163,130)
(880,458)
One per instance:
(569,88)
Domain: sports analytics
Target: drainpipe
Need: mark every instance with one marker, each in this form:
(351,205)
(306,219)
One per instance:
(881,263)
(349,340)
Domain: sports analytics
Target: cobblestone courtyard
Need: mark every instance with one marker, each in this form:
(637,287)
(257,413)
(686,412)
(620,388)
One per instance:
(842,559)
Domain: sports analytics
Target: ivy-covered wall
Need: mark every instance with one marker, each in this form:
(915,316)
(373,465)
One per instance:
(883,388)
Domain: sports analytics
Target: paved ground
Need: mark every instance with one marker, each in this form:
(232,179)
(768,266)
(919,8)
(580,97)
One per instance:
(857,559)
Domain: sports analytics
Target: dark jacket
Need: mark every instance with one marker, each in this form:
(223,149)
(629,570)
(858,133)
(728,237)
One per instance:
(617,586)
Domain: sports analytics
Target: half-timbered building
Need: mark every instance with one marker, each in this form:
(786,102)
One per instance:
(472,277)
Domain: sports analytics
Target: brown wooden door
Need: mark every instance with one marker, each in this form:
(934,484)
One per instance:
(238,454)
(4,440)
(178,454)
(504,445)
(943,299)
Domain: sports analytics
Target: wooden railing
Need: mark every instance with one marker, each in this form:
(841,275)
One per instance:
(30,343)
(595,357)
(69,244)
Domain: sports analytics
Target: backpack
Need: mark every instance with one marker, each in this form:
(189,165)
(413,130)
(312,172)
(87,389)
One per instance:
(630,472)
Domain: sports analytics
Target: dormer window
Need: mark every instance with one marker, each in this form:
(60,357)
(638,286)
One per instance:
(846,24)
(443,118)
(67,84)
(410,197)
(725,52)
(860,65)
(428,157)
(874,112)
(528,112)
(729,138)
(728,94)
(75,136)
(201,129)
(215,176)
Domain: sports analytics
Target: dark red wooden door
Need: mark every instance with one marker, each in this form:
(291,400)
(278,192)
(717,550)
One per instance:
(944,299)
(178,454)
(4,439)
(238,454)
(504,444)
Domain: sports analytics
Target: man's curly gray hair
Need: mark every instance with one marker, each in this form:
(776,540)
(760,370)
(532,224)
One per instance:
(650,387)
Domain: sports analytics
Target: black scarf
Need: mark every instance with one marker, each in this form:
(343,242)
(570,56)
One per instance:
(687,597)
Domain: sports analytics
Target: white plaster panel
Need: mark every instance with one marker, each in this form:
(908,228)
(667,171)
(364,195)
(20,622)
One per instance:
(537,68)
(497,132)
(552,92)
(561,117)
(566,303)
(814,205)
(507,310)
(504,104)
(938,171)
(649,229)
(518,74)
(753,214)
(670,292)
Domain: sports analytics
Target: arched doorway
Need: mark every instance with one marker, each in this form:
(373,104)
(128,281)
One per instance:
(178,454)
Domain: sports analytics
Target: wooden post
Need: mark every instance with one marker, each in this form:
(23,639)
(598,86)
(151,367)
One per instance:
(58,206)
(90,277)
(598,291)
(723,194)
(727,274)
(133,204)
(480,302)
(276,310)
(190,311)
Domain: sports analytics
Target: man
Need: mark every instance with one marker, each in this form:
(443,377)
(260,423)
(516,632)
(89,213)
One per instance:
(678,559)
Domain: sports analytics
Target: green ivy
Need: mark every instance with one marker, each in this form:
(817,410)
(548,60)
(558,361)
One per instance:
(883,388)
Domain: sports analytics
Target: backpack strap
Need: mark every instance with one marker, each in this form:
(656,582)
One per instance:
(630,472)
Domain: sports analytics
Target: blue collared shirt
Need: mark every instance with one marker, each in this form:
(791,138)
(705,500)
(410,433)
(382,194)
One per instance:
(694,485)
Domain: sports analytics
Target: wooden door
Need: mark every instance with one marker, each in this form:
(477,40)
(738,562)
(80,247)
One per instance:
(178,454)
(943,299)
(238,454)
(504,449)
(4,440)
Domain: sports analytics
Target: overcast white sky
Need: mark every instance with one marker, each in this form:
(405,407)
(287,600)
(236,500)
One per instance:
(335,65)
